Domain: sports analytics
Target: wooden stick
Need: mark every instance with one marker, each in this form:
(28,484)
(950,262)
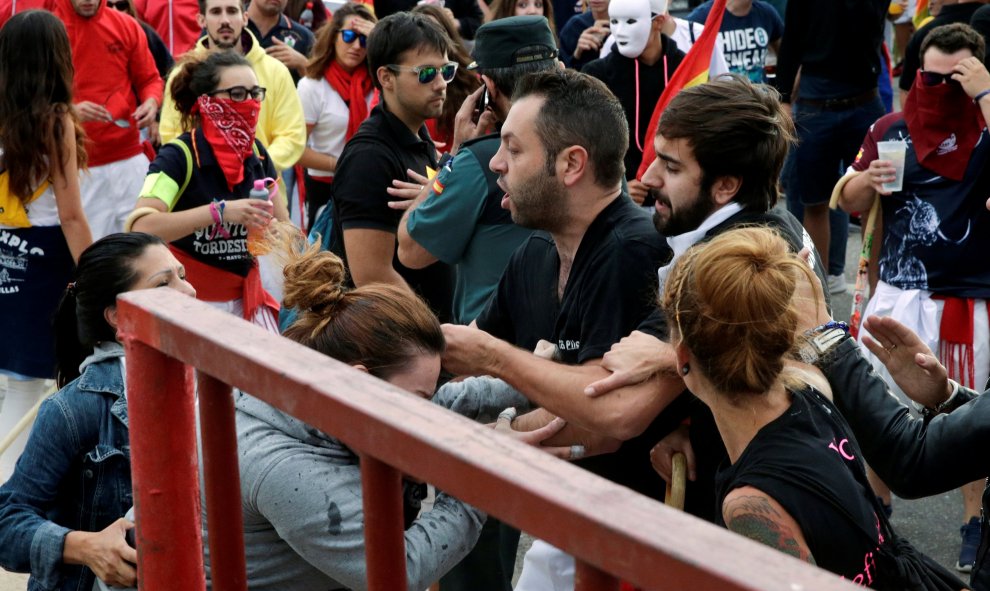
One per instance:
(22,424)
(678,481)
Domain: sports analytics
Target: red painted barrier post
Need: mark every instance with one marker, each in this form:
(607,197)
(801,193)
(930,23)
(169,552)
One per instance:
(605,526)
(384,535)
(222,483)
(164,470)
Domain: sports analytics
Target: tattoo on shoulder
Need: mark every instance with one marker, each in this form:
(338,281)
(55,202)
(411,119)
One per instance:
(755,518)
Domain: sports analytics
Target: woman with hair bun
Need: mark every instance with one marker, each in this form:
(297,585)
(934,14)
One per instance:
(197,194)
(300,487)
(62,511)
(796,480)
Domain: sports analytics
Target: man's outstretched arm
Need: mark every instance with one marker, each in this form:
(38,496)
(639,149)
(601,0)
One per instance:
(559,388)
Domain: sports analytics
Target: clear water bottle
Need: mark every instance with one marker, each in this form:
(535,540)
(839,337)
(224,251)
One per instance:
(306,18)
(256,234)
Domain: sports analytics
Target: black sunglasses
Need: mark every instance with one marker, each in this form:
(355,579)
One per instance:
(349,35)
(428,73)
(240,93)
(934,78)
(121,5)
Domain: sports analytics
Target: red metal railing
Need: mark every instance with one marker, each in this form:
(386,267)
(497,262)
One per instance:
(613,532)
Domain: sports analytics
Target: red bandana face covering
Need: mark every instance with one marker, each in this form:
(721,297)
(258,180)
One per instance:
(229,129)
(944,125)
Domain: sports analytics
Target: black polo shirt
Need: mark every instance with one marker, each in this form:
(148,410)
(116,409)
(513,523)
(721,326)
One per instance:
(289,32)
(381,150)
(610,290)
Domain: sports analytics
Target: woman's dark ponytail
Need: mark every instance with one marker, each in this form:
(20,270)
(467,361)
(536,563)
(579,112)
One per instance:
(105,270)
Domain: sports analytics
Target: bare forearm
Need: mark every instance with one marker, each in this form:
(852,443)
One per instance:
(594,443)
(77,235)
(317,160)
(174,225)
(74,549)
(410,252)
(622,414)
(364,275)
(857,194)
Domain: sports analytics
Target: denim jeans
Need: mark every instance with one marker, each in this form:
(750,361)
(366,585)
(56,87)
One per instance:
(827,144)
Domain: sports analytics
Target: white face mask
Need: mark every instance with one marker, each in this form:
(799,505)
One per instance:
(631,24)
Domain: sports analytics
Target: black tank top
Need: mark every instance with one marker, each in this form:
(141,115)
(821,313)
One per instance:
(808,461)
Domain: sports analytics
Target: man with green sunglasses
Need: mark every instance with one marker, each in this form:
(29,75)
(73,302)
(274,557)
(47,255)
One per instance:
(409,64)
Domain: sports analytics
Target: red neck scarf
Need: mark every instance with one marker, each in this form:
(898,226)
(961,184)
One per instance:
(944,125)
(353,87)
(229,129)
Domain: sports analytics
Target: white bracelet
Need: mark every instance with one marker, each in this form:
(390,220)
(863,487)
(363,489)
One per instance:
(508,414)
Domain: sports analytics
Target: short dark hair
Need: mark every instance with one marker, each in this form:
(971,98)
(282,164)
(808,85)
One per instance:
(735,128)
(953,38)
(505,79)
(579,110)
(399,33)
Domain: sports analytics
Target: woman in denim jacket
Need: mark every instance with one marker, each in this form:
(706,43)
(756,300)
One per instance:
(61,513)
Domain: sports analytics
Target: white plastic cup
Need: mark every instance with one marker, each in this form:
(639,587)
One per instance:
(894,152)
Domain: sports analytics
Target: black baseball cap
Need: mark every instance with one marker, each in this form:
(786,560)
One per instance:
(511,41)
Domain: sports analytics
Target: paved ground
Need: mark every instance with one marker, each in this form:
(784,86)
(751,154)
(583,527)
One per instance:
(931,524)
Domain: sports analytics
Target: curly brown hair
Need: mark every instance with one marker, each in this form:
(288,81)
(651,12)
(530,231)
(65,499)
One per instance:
(731,303)
(380,326)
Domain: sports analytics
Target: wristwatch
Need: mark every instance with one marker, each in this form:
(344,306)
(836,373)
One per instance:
(820,340)
(947,405)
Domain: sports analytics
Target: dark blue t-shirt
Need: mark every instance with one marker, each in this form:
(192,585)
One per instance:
(936,230)
(745,39)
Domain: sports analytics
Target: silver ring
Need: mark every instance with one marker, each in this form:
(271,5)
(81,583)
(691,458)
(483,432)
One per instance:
(577,452)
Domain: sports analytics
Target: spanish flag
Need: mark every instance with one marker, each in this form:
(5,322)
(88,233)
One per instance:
(692,72)
(921,12)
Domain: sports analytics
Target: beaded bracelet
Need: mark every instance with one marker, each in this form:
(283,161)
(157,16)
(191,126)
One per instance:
(216,210)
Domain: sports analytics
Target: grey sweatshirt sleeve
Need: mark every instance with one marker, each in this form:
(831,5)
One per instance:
(913,458)
(316,507)
(480,399)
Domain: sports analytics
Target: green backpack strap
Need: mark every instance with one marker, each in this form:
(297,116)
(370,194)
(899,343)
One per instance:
(189,162)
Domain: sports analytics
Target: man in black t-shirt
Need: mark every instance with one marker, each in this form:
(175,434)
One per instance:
(585,278)
(407,55)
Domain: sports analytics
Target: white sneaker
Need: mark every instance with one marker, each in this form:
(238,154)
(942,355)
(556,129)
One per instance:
(836,284)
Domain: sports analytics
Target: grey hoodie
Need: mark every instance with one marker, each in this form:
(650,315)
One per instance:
(301,501)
